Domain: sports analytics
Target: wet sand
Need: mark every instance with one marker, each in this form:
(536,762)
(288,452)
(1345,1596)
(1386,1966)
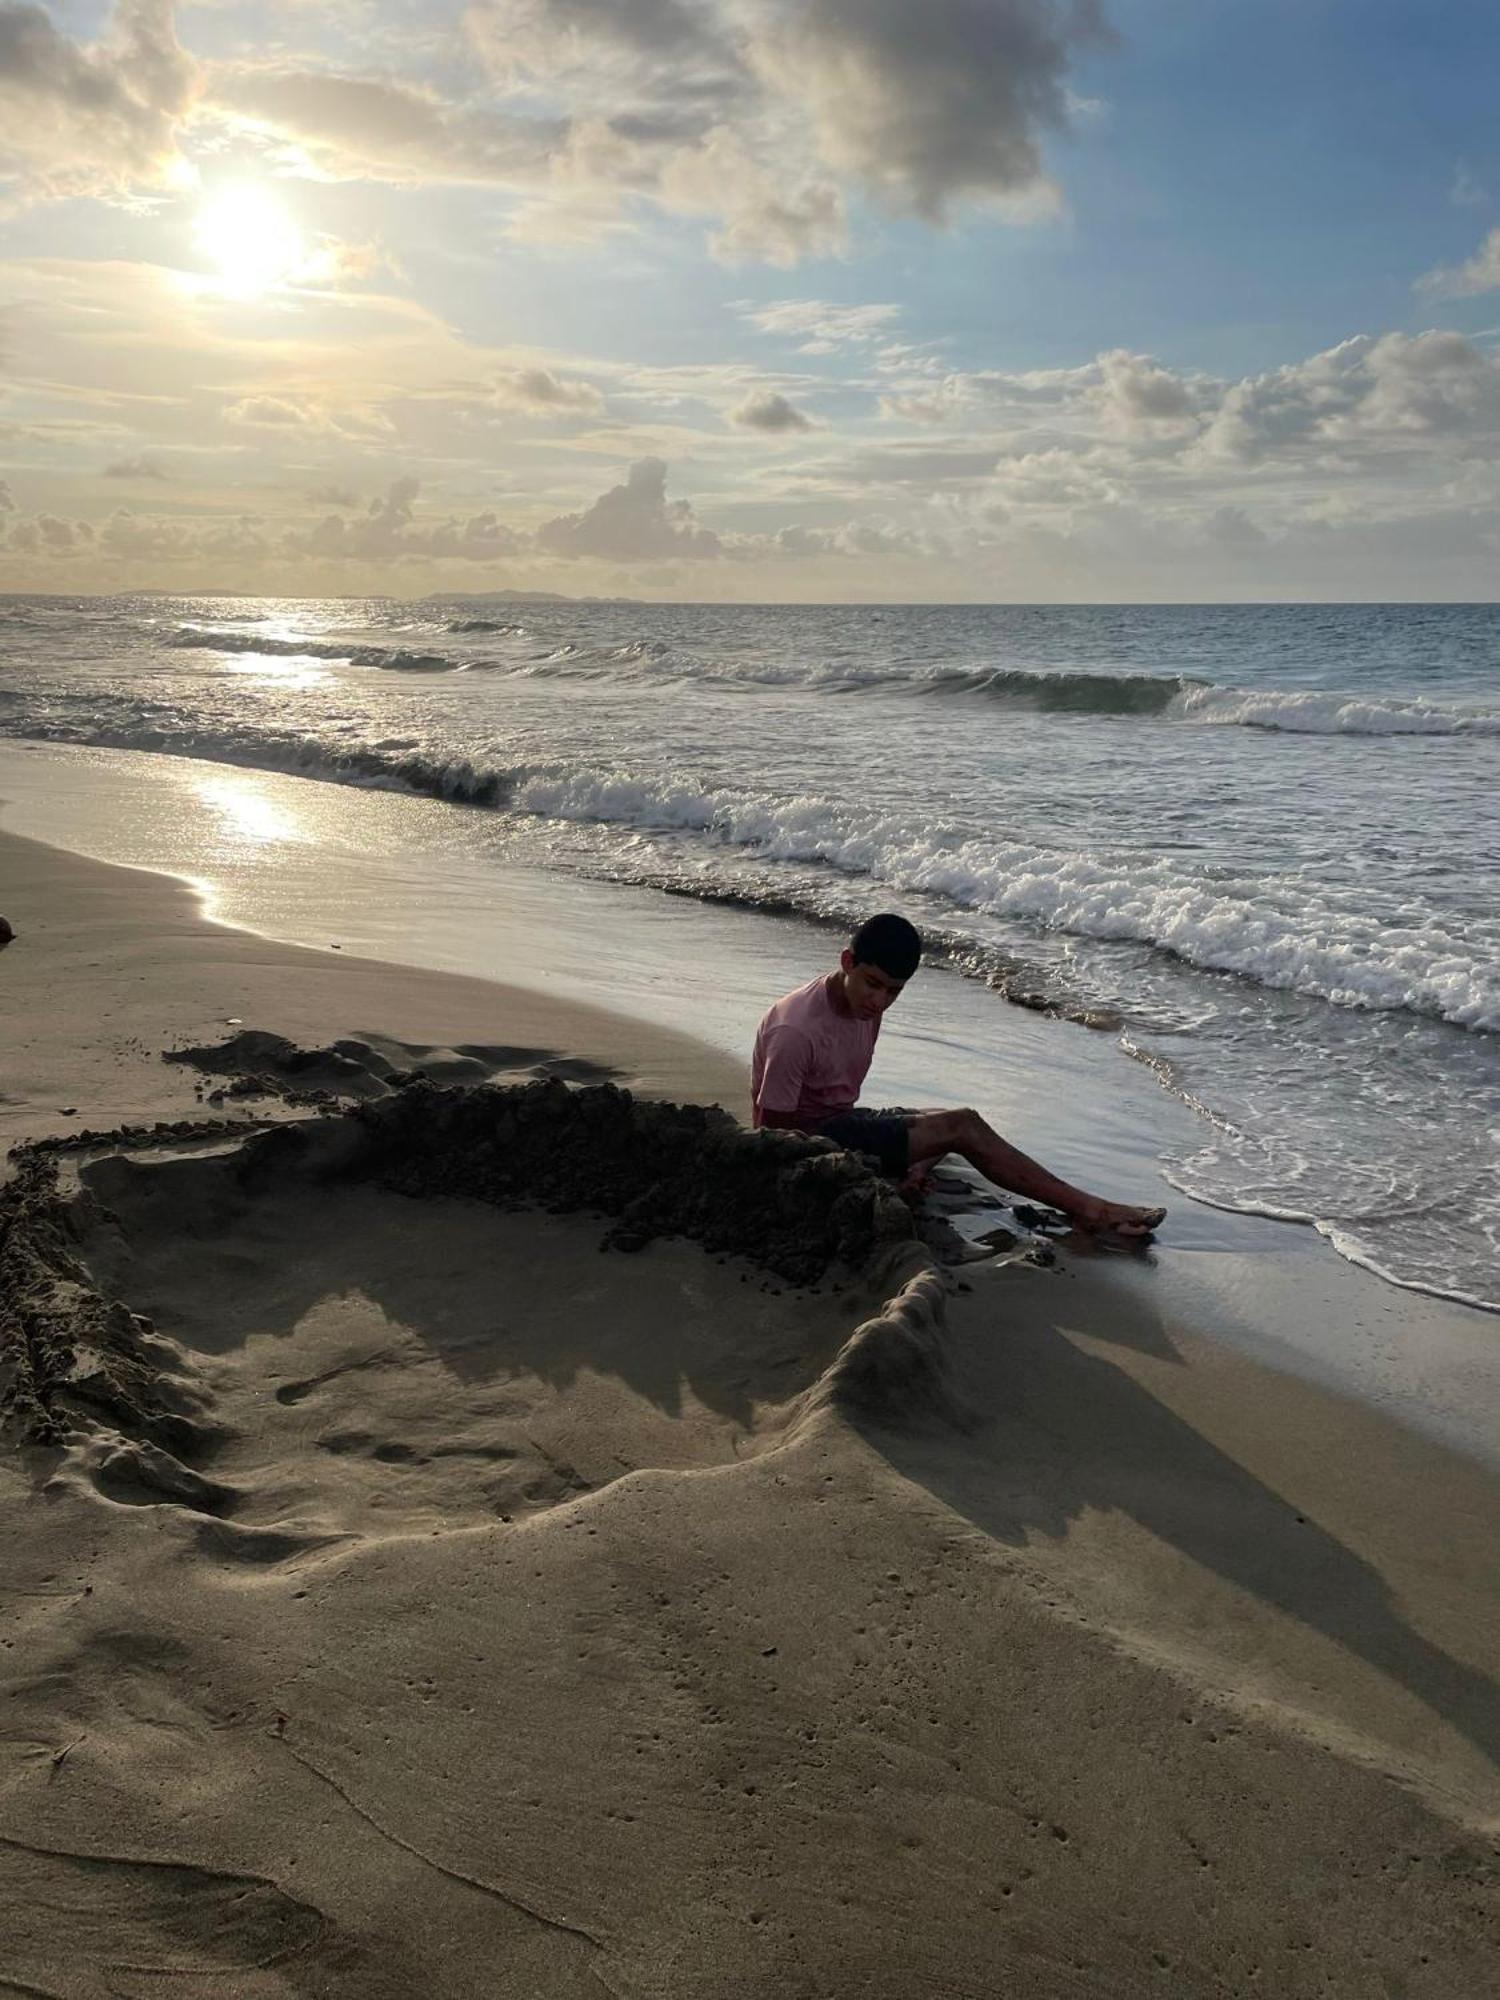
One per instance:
(419,1592)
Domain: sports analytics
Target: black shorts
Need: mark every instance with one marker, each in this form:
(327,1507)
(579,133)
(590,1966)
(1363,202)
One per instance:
(884,1135)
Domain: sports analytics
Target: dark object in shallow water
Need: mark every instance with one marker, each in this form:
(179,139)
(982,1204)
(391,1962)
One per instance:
(1043,1219)
(6,933)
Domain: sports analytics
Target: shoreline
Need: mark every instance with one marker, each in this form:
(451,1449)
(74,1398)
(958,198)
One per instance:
(204,977)
(638,1619)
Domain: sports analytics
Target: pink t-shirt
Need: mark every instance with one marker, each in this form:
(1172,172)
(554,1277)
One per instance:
(810,1059)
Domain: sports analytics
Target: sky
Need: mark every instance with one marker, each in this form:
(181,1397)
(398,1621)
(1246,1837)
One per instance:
(752,300)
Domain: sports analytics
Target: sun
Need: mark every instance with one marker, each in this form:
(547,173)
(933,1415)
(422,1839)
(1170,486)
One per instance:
(250,238)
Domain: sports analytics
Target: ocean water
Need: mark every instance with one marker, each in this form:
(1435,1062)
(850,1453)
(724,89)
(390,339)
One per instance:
(1257,845)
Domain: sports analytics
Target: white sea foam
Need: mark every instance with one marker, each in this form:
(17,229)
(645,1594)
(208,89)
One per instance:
(1281,935)
(1332,714)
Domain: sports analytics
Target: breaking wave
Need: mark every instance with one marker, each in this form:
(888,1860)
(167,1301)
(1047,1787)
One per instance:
(1281,934)
(1333,714)
(390,659)
(1062,693)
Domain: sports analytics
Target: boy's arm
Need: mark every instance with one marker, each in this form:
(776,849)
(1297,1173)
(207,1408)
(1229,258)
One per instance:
(789,1053)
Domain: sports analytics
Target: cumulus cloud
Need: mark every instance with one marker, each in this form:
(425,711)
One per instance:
(268,412)
(1366,395)
(1119,391)
(49,535)
(767,213)
(939,404)
(925,465)
(1471,280)
(1432,382)
(540,392)
(92,118)
(388,531)
(607,38)
(293,413)
(927,106)
(632,522)
(144,466)
(1136,393)
(821,328)
(853,538)
(7,498)
(769,412)
(1050,479)
(130,537)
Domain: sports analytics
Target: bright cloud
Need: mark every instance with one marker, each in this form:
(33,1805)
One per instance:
(1366,397)
(98,117)
(1476,278)
(369,127)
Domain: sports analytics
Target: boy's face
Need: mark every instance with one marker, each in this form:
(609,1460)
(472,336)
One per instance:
(868,990)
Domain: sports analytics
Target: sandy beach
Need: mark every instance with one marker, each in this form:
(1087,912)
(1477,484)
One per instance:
(410,1591)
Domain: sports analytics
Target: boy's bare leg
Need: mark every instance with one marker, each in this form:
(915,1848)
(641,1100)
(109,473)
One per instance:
(934,1133)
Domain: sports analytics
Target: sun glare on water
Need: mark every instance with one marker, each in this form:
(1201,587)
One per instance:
(251,240)
(249,816)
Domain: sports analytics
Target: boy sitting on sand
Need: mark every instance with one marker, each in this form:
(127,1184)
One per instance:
(813,1051)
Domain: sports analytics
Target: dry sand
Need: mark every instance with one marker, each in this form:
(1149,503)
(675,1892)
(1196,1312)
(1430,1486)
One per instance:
(427,1602)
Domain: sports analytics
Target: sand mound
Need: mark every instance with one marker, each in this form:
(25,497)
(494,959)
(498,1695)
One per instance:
(796,1205)
(255,1063)
(71,1356)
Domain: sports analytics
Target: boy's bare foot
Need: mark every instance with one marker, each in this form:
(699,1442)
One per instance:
(1117,1218)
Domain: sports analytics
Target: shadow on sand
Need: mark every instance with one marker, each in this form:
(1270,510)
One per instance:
(1060,1431)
